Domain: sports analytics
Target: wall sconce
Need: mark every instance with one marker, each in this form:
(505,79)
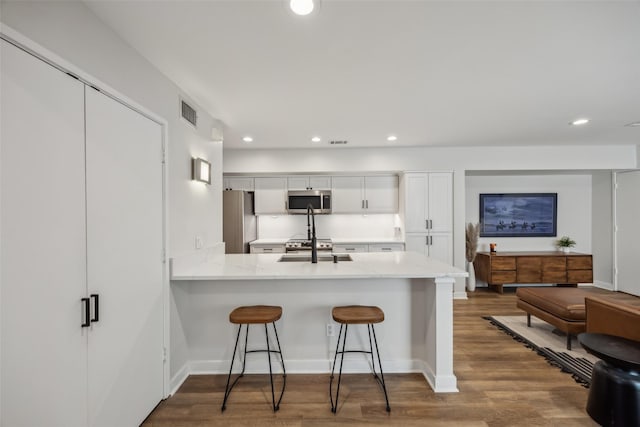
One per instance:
(200,170)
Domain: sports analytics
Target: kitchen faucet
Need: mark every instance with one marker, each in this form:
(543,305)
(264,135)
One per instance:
(311,234)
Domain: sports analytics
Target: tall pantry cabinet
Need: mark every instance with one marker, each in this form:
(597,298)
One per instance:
(428,213)
(81,309)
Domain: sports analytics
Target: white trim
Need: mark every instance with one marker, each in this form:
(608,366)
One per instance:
(178,379)
(460,295)
(19,40)
(603,285)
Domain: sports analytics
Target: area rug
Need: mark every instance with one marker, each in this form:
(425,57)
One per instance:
(549,343)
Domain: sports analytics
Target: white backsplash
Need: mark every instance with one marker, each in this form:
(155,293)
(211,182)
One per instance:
(333,226)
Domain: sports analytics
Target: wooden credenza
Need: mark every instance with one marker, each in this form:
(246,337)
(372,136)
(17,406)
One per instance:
(561,268)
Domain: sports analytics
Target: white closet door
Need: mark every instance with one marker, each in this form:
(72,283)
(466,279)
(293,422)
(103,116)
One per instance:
(43,269)
(124,234)
(627,234)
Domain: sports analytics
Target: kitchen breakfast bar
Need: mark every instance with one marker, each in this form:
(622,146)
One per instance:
(415,293)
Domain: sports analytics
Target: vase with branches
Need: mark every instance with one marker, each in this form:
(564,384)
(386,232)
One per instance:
(472,234)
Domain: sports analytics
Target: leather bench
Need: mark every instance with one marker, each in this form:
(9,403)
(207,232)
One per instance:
(616,314)
(563,308)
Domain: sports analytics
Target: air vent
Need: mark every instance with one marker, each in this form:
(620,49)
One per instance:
(338,142)
(189,113)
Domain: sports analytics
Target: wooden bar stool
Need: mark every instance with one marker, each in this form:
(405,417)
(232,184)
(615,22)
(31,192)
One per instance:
(356,315)
(256,314)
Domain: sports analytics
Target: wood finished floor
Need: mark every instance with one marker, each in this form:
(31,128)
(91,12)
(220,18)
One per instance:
(501,383)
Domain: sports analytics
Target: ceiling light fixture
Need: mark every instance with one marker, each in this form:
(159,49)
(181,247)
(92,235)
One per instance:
(247,139)
(633,125)
(301,7)
(579,122)
(315,139)
(392,138)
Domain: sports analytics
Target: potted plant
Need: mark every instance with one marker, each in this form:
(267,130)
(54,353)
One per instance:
(472,234)
(565,243)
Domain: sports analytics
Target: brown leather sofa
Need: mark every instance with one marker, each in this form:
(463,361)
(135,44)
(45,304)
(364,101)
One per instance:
(615,314)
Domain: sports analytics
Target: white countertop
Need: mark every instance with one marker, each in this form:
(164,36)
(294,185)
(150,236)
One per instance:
(336,241)
(266,266)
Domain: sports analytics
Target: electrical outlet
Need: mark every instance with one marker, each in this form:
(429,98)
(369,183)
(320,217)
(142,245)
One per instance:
(198,242)
(331,331)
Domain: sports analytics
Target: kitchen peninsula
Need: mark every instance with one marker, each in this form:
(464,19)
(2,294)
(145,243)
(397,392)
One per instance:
(415,292)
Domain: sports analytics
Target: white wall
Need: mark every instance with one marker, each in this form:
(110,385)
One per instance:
(574,207)
(73,32)
(344,226)
(601,229)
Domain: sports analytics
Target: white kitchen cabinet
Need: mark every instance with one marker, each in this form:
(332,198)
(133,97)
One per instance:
(82,203)
(243,183)
(369,194)
(315,182)
(386,247)
(347,248)
(428,199)
(437,246)
(268,248)
(270,195)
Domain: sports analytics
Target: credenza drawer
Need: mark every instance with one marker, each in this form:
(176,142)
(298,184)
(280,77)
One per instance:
(503,263)
(579,276)
(579,263)
(503,277)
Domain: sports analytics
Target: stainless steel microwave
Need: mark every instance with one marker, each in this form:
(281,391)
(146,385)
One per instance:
(320,201)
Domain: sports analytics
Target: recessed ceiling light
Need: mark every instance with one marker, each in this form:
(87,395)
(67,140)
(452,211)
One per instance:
(633,125)
(392,138)
(247,139)
(579,122)
(316,139)
(301,7)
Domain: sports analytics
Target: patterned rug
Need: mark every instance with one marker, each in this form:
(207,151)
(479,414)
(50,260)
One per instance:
(550,343)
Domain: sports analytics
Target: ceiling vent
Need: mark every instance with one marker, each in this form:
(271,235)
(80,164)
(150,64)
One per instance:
(338,142)
(189,113)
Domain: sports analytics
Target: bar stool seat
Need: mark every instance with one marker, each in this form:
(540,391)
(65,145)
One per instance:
(357,315)
(251,315)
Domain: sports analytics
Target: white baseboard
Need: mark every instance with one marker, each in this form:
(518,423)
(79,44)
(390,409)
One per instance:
(604,285)
(178,379)
(439,384)
(460,295)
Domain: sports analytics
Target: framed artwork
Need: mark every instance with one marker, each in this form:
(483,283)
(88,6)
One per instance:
(518,215)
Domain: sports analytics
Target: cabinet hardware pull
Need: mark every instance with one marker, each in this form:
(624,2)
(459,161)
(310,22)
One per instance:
(430,240)
(267,249)
(363,204)
(87,321)
(426,240)
(430,224)
(367,204)
(96,307)
(426,224)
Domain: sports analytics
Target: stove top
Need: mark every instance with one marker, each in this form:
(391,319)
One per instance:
(305,244)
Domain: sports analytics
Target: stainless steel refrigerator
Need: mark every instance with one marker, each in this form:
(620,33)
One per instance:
(239,223)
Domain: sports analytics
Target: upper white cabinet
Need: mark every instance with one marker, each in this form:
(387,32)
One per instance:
(317,182)
(81,262)
(270,195)
(428,199)
(243,183)
(365,194)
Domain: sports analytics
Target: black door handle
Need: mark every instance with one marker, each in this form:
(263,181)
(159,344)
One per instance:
(87,321)
(96,305)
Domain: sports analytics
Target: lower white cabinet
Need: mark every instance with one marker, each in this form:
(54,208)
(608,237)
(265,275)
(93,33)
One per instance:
(267,249)
(437,246)
(81,261)
(372,247)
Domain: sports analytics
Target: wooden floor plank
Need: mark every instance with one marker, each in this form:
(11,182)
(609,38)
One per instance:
(501,383)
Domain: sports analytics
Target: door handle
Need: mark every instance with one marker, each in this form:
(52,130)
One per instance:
(87,321)
(96,307)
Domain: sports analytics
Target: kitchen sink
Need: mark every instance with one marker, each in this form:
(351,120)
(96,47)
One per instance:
(321,258)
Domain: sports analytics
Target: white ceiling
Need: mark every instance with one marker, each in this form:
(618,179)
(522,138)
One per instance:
(448,73)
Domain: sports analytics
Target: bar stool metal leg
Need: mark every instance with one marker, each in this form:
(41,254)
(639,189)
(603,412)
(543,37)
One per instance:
(284,371)
(382,383)
(227,389)
(334,406)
